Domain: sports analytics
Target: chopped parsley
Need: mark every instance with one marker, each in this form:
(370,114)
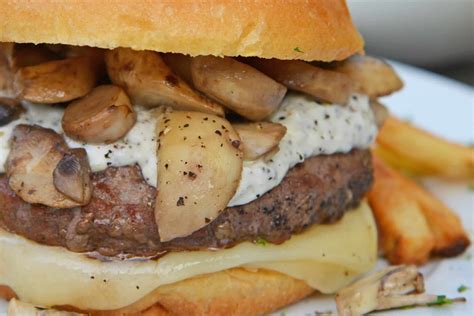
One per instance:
(462,288)
(260,241)
(440,301)
(471,187)
(298,50)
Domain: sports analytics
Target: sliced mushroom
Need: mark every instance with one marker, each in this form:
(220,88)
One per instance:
(71,175)
(34,157)
(12,57)
(392,287)
(380,111)
(10,110)
(181,65)
(371,76)
(301,76)
(150,82)
(57,81)
(259,139)
(103,116)
(238,86)
(199,170)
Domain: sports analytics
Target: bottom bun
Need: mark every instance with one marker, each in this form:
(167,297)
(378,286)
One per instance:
(247,279)
(231,292)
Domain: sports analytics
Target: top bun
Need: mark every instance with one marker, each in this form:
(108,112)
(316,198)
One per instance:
(309,30)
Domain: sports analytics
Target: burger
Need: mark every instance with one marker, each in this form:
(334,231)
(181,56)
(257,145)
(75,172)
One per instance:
(184,158)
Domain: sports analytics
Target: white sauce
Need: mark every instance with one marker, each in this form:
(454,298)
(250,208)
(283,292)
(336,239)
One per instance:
(137,147)
(312,129)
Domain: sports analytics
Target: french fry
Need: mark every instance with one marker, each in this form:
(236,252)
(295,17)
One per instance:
(404,232)
(407,167)
(449,234)
(422,153)
(372,76)
(450,238)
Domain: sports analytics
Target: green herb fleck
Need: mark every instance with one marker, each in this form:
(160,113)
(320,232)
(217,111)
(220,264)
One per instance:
(260,241)
(440,301)
(282,314)
(462,288)
(298,50)
(471,187)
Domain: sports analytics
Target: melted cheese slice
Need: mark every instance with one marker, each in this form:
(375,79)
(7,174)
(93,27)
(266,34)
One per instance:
(327,257)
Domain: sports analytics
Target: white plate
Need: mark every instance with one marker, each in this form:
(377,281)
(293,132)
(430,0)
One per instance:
(446,108)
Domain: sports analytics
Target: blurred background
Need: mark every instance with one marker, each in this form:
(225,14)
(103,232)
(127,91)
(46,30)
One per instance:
(432,34)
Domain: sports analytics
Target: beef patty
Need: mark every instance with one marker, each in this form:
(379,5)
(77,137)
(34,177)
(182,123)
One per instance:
(119,220)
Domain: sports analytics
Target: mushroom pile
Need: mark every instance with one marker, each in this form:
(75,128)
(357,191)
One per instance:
(213,115)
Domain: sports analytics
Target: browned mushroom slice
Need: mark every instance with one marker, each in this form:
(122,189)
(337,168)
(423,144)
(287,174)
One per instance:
(71,175)
(180,64)
(259,139)
(371,76)
(150,82)
(35,155)
(199,170)
(103,116)
(13,56)
(238,86)
(57,81)
(300,76)
(10,110)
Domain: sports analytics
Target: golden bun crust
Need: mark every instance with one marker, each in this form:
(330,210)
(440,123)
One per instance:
(308,30)
(231,292)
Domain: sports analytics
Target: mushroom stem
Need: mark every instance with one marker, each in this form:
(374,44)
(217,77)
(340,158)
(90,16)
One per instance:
(391,288)
(71,176)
